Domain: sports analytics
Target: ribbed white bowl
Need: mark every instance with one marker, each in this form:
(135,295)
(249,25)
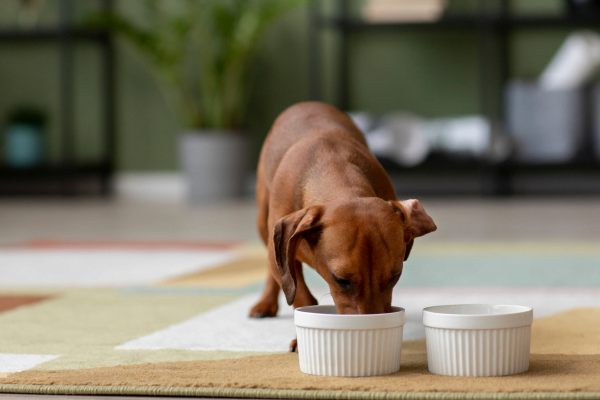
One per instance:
(348,345)
(477,339)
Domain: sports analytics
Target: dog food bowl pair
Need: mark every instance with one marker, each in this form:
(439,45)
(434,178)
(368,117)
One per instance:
(462,340)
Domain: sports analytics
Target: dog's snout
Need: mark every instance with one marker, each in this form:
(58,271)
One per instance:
(371,309)
(366,307)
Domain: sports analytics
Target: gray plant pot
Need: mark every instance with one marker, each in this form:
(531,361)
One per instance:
(215,164)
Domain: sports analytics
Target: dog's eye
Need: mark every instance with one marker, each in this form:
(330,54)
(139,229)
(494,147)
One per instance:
(344,283)
(394,281)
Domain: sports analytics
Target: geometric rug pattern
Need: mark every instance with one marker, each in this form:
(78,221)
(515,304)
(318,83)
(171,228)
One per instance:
(77,314)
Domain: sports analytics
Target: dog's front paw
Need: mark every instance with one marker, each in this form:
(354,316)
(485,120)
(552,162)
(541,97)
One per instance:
(264,309)
(294,346)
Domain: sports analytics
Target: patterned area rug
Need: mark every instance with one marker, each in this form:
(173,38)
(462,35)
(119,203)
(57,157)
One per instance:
(171,319)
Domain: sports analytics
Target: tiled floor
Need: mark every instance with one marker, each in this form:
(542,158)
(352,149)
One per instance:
(458,219)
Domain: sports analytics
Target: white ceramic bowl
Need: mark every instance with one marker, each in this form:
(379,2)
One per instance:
(348,345)
(477,339)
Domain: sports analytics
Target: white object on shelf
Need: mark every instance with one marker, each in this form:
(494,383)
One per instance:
(363,120)
(574,64)
(403,10)
(546,125)
(333,344)
(477,339)
(400,136)
(408,139)
(469,134)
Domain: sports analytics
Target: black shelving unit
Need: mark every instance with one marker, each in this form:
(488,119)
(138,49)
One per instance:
(492,27)
(68,176)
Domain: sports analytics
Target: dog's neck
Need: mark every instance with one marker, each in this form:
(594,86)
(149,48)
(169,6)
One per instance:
(345,182)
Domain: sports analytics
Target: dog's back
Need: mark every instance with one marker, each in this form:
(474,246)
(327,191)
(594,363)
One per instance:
(303,121)
(322,149)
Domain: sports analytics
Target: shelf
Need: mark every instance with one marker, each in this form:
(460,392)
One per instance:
(52,35)
(438,162)
(56,179)
(68,178)
(551,22)
(49,170)
(467,21)
(553,166)
(359,24)
(443,172)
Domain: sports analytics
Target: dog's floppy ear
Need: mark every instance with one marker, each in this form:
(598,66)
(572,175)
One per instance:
(416,221)
(287,234)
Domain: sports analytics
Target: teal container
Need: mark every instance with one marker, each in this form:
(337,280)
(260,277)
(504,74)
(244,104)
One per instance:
(23,146)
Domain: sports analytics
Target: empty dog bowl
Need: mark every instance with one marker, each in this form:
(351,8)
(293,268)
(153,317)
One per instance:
(477,339)
(348,344)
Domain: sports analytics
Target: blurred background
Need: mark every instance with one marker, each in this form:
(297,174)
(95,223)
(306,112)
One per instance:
(130,132)
(490,103)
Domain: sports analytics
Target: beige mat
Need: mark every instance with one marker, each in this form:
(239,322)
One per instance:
(547,373)
(565,358)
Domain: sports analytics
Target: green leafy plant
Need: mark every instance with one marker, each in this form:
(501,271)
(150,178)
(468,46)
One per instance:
(202,51)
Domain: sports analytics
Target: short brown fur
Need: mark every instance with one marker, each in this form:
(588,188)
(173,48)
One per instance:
(325,200)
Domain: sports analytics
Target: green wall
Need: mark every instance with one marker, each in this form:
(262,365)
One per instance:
(431,73)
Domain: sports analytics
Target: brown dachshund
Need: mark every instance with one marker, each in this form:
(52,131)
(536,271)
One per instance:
(325,200)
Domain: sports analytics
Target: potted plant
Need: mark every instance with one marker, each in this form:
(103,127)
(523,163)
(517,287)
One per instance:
(202,52)
(24,141)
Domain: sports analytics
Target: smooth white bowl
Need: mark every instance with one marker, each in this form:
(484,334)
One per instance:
(477,339)
(334,344)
